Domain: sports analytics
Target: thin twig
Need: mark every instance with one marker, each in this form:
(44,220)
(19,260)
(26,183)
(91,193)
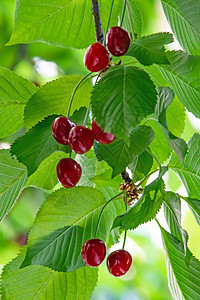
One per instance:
(97,21)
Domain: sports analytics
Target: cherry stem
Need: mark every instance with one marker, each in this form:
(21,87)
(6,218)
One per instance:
(125,233)
(74,92)
(146,177)
(99,219)
(108,21)
(123,14)
(97,21)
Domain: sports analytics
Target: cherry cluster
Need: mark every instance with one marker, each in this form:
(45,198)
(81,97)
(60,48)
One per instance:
(97,57)
(80,139)
(94,252)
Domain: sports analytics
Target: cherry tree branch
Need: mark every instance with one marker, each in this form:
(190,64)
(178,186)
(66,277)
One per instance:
(97,21)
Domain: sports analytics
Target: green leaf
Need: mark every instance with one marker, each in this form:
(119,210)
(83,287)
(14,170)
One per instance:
(141,165)
(15,92)
(13,176)
(105,179)
(183,76)
(190,171)
(64,23)
(145,208)
(165,98)
(90,167)
(159,145)
(38,282)
(69,217)
(194,205)
(45,176)
(54,98)
(172,211)
(175,116)
(133,18)
(49,251)
(150,49)
(184,280)
(183,17)
(120,153)
(79,116)
(122,98)
(36,145)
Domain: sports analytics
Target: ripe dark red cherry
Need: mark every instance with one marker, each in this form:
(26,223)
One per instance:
(81,139)
(101,136)
(93,252)
(61,127)
(68,172)
(118,41)
(119,262)
(96,57)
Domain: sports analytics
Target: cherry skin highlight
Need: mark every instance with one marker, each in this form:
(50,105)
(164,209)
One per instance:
(93,252)
(100,135)
(119,262)
(61,127)
(118,41)
(68,172)
(96,57)
(81,139)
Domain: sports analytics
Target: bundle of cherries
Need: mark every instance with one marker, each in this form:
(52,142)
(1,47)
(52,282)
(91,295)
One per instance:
(80,139)
(97,57)
(118,262)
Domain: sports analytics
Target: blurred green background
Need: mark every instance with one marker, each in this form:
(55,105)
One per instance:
(39,62)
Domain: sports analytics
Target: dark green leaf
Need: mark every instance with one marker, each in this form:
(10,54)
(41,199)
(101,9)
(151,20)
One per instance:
(145,208)
(51,253)
(122,98)
(69,217)
(44,283)
(150,49)
(183,17)
(13,176)
(141,165)
(119,153)
(61,23)
(36,145)
(15,92)
(54,98)
(79,116)
(183,76)
(184,280)
(190,171)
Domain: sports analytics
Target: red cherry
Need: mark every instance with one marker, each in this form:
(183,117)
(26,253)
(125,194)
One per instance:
(81,139)
(119,262)
(68,172)
(61,127)
(101,136)
(93,252)
(96,57)
(118,41)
